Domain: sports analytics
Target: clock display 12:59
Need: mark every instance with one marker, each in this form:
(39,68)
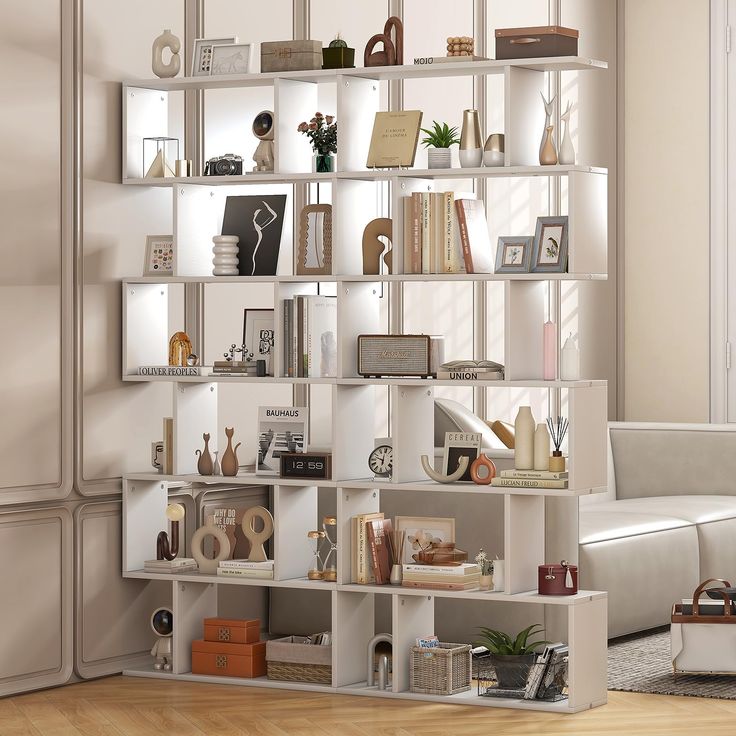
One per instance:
(305,465)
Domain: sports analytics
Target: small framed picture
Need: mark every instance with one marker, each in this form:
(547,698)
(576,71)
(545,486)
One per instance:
(514,255)
(232,58)
(258,335)
(550,245)
(202,56)
(421,531)
(457,446)
(159,255)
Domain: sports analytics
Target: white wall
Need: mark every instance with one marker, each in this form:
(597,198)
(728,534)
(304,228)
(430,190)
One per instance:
(666,210)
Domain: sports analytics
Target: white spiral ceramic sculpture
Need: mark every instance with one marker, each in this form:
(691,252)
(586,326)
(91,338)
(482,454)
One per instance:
(225,250)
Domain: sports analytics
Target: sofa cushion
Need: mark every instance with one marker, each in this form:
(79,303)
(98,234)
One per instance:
(605,521)
(695,509)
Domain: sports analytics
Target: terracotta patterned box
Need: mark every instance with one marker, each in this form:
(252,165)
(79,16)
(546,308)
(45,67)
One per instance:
(229,660)
(233,631)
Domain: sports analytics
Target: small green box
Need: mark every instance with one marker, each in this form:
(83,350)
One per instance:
(338,57)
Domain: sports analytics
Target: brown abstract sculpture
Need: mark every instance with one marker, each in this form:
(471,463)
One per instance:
(180,348)
(393,50)
(229,463)
(166,550)
(257,538)
(373,247)
(205,465)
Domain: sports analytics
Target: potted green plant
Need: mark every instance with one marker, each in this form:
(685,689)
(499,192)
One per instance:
(322,133)
(438,141)
(512,658)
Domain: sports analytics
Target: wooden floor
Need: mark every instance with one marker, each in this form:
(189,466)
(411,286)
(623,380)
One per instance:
(121,706)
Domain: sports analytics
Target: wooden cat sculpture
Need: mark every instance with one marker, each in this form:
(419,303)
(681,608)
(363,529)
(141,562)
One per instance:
(204,464)
(229,462)
(393,50)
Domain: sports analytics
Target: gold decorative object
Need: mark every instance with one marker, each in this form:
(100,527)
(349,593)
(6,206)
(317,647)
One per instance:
(460,46)
(373,248)
(548,156)
(314,250)
(471,142)
(393,49)
(180,348)
(315,566)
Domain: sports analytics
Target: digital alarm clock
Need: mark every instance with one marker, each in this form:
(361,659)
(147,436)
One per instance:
(307,465)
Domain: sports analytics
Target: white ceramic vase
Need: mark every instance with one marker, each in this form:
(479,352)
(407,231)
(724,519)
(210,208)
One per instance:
(499,579)
(439,158)
(541,447)
(524,439)
(225,260)
(167,40)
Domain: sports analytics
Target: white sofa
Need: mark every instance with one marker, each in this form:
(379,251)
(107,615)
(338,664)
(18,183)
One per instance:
(666,522)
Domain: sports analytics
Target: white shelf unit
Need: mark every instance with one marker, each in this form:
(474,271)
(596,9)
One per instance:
(197,202)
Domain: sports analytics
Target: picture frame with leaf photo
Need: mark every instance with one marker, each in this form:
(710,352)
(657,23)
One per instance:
(550,245)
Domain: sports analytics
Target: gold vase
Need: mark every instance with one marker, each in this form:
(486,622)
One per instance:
(548,154)
(471,143)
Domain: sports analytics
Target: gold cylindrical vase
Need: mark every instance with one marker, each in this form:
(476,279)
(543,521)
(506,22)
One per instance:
(471,141)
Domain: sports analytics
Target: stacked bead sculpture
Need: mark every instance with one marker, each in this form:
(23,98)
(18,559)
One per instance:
(460,46)
(225,250)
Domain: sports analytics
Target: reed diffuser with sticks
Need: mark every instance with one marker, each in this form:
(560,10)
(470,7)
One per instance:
(396,540)
(557,432)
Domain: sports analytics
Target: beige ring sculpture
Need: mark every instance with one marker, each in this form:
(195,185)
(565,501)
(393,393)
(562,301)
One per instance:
(205,564)
(462,466)
(256,539)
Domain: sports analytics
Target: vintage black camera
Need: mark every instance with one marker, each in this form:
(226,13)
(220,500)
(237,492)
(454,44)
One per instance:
(227,165)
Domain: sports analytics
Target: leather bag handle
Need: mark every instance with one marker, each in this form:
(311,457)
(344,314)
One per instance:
(526,40)
(699,591)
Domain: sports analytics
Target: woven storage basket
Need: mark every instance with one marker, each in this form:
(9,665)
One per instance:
(293,659)
(443,670)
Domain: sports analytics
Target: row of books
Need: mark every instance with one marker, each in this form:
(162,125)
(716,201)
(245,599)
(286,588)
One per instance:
(443,234)
(309,348)
(370,560)
(441,577)
(530,479)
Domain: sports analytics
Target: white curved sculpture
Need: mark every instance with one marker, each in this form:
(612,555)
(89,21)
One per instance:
(167,40)
(205,564)
(462,466)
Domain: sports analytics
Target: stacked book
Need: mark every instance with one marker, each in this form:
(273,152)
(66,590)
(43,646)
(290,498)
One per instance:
(236,368)
(441,577)
(179,564)
(471,370)
(309,348)
(530,479)
(246,569)
(361,555)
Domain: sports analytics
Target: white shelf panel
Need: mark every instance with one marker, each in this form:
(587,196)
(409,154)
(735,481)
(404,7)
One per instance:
(286,279)
(407,71)
(430,382)
(477,490)
(196,577)
(242,479)
(228,379)
(470,697)
(582,596)
(220,680)
(481,172)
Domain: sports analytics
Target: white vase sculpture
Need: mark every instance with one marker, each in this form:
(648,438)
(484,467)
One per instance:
(541,447)
(225,250)
(548,110)
(167,40)
(566,154)
(570,360)
(524,439)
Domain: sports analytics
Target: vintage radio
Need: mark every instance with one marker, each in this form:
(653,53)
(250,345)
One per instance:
(400,355)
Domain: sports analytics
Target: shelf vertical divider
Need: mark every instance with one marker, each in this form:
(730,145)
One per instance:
(145,326)
(413,430)
(144,516)
(195,412)
(412,616)
(523,115)
(145,115)
(523,536)
(353,624)
(351,502)
(524,329)
(198,211)
(295,514)
(193,602)
(587,637)
(357,103)
(294,102)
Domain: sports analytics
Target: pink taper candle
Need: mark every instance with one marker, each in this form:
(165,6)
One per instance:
(549,351)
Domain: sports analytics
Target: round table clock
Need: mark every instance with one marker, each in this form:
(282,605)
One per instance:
(381,461)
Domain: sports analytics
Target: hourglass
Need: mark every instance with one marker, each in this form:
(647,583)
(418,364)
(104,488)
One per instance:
(329,524)
(315,565)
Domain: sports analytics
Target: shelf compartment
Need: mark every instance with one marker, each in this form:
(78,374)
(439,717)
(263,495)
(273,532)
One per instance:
(407,71)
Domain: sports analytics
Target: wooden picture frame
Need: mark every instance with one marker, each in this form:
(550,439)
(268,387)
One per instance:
(314,249)
(437,527)
(550,245)
(159,255)
(514,255)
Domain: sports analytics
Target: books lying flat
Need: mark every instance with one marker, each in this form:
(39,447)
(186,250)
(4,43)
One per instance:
(439,586)
(534,474)
(466,568)
(246,565)
(506,692)
(528,483)
(469,375)
(170,370)
(179,564)
(242,572)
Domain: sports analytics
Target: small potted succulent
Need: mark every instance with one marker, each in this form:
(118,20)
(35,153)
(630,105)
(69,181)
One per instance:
(322,133)
(512,659)
(486,569)
(338,55)
(438,141)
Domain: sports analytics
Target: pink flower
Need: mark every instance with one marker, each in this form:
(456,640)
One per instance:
(303,127)
(329,119)
(318,115)
(312,126)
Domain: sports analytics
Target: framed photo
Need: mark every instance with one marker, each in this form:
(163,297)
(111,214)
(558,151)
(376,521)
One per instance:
(159,255)
(258,335)
(550,245)
(232,58)
(202,56)
(459,445)
(514,255)
(421,531)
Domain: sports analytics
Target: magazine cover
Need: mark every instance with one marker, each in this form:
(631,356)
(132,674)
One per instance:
(280,429)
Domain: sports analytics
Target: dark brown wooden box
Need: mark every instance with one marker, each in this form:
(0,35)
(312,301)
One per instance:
(228,660)
(232,631)
(535,42)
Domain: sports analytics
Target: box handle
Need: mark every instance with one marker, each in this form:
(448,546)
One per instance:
(526,40)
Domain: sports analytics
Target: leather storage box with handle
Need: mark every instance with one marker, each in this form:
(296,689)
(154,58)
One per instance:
(557,579)
(290,56)
(233,631)
(704,642)
(536,42)
(229,660)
